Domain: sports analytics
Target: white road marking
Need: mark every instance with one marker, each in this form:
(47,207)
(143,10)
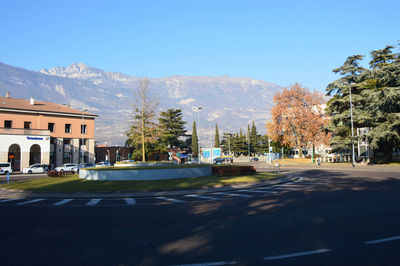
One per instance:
(29,201)
(201,197)
(233,194)
(257,191)
(93,202)
(216,263)
(8,200)
(298,254)
(171,200)
(62,202)
(260,190)
(130,201)
(382,240)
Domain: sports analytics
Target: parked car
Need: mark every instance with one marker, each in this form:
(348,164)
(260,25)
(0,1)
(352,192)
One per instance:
(254,159)
(36,169)
(82,165)
(67,167)
(103,164)
(5,168)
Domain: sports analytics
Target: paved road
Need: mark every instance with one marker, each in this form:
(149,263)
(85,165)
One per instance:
(331,217)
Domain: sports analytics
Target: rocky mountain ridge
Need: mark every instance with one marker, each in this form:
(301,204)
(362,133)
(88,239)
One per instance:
(229,101)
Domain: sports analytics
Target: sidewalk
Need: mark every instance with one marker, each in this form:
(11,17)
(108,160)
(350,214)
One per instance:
(8,193)
(338,166)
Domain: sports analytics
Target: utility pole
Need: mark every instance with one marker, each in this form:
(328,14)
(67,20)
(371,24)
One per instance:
(83,130)
(352,132)
(269,150)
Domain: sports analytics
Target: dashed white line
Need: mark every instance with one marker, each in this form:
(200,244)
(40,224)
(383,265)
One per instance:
(256,191)
(62,202)
(202,197)
(8,200)
(29,202)
(170,199)
(216,263)
(130,201)
(233,194)
(93,202)
(298,254)
(377,241)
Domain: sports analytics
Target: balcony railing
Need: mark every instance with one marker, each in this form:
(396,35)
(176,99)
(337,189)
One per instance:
(24,131)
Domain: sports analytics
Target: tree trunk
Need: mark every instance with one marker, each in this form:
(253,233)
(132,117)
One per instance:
(389,153)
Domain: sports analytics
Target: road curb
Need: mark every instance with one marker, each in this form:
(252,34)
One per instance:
(10,193)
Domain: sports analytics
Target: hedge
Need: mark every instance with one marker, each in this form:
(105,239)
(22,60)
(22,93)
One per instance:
(230,170)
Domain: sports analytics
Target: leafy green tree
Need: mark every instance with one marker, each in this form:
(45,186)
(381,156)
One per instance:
(195,141)
(382,94)
(375,98)
(216,137)
(172,127)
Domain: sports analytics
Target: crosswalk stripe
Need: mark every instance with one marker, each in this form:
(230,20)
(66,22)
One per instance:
(233,194)
(29,202)
(8,200)
(171,200)
(130,201)
(258,191)
(93,202)
(62,202)
(202,197)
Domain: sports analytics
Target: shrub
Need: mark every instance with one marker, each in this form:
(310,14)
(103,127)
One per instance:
(231,170)
(54,173)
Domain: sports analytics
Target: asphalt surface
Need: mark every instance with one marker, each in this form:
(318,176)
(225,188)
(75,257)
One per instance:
(328,217)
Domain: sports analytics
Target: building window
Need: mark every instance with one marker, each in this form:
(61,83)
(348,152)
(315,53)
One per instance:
(50,127)
(83,129)
(7,123)
(27,124)
(68,128)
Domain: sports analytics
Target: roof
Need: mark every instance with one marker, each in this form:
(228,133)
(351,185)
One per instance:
(21,105)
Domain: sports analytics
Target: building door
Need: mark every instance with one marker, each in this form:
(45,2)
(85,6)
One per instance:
(35,154)
(14,157)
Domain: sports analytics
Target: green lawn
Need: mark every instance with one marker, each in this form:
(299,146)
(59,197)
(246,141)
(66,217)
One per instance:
(73,183)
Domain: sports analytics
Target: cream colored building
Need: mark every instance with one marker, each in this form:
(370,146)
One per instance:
(44,132)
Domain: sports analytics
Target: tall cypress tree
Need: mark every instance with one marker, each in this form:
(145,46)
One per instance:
(254,138)
(195,141)
(216,138)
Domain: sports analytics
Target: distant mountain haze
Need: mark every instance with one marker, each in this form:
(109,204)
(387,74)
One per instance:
(231,102)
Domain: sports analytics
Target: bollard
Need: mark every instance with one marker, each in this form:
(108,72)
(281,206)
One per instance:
(8,178)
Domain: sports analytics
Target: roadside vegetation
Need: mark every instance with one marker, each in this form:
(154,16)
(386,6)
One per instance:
(72,183)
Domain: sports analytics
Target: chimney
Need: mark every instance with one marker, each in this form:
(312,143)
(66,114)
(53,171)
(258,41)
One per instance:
(7,94)
(32,101)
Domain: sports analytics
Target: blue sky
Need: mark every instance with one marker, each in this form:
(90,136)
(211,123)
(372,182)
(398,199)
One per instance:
(277,41)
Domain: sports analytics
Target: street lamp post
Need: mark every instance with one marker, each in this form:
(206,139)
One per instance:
(352,133)
(82,132)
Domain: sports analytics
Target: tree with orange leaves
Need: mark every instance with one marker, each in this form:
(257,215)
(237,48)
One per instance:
(297,118)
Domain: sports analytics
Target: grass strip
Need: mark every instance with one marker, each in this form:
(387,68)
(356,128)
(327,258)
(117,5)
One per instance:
(73,183)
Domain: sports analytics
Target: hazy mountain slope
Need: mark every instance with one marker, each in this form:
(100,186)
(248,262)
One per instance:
(231,102)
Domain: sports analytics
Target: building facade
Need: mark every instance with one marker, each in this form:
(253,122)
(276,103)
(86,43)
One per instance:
(43,132)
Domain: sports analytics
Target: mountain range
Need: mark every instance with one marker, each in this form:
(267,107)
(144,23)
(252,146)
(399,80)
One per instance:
(230,102)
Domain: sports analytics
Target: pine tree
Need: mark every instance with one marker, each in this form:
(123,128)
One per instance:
(376,101)
(216,137)
(382,94)
(195,141)
(172,127)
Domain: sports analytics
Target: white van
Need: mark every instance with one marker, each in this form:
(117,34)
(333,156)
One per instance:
(5,168)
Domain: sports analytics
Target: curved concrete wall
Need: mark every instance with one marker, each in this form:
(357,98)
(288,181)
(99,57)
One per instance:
(151,174)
